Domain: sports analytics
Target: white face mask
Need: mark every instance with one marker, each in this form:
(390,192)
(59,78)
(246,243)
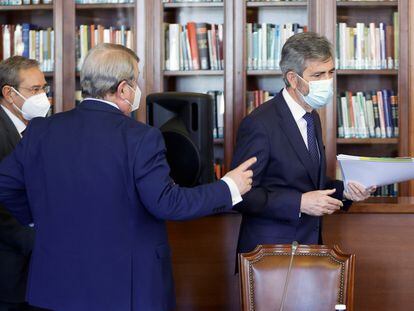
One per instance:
(35,106)
(320,93)
(137,98)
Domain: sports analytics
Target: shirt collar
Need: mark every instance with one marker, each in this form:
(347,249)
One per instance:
(297,110)
(19,124)
(104,101)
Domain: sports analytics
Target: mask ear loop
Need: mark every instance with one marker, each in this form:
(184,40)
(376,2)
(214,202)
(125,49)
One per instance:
(297,89)
(14,105)
(18,93)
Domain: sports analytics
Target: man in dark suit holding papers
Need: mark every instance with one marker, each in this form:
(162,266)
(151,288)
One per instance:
(290,188)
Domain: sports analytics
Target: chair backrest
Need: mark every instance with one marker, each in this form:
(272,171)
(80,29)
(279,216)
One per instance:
(321,277)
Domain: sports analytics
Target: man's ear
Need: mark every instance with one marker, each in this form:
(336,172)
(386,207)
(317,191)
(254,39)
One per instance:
(292,78)
(6,92)
(121,88)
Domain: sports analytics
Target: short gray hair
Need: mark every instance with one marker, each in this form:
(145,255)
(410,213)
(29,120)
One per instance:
(105,66)
(10,70)
(301,48)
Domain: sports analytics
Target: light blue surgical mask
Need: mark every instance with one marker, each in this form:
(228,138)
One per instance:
(320,93)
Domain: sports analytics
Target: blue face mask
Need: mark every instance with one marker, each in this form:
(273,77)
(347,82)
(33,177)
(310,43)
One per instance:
(320,93)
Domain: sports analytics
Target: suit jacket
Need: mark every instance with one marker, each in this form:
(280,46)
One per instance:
(283,172)
(16,241)
(96,184)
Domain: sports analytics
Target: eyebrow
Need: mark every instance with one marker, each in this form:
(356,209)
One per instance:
(40,85)
(321,72)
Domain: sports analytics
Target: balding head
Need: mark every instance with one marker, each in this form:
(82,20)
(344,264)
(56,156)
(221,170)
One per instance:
(105,67)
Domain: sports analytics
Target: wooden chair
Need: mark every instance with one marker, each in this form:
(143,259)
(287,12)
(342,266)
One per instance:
(320,278)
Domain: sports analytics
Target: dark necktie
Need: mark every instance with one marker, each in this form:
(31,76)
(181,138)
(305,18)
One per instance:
(312,142)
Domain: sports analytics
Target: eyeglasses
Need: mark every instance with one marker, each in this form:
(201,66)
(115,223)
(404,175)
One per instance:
(37,89)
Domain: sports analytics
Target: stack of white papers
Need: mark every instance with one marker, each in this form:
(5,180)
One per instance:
(375,171)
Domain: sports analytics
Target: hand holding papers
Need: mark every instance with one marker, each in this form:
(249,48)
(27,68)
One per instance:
(356,192)
(375,171)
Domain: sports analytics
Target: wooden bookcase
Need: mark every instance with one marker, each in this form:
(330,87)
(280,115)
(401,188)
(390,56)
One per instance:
(366,12)
(64,16)
(197,80)
(269,80)
(42,16)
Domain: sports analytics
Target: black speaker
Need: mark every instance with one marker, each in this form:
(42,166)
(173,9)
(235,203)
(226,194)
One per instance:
(186,122)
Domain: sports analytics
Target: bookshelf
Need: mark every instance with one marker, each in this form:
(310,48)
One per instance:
(249,75)
(218,76)
(95,23)
(354,80)
(25,24)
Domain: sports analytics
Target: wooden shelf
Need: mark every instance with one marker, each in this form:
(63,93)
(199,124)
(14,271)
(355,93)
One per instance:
(253,4)
(264,72)
(193,5)
(105,6)
(384,72)
(30,7)
(384,205)
(193,73)
(360,141)
(367,4)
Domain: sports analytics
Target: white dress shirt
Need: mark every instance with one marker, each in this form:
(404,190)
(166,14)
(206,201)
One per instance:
(19,124)
(298,112)
(103,100)
(234,191)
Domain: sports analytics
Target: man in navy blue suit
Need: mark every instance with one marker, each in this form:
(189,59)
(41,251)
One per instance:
(290,188)
(96,184)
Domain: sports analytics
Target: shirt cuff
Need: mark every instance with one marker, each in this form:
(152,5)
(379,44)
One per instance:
(234,191)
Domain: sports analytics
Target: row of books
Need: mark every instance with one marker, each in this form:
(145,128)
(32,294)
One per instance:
(90,35)
(189,1)
(255,98)
(368,114)
(103,1)
(265,42)
(218,113)
(195,46)
(368,0)
(25,2)
(386,191)
(28,41)
(368,46)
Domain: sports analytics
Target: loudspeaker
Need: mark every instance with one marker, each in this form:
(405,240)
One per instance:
(186,122)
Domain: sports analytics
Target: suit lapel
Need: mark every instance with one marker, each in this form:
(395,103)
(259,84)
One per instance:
(13,135)
(322,170)
(295,138)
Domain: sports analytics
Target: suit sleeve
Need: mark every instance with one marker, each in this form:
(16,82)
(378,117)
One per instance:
(12,184)
(280,203)
(339,193)
(166,200)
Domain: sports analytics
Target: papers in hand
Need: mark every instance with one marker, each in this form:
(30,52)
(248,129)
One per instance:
(375,171)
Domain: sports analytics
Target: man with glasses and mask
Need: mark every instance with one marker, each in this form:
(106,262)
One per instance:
(22,97)
(96,184)
(290,188)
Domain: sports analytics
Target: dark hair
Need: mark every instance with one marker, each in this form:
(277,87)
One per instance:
(10,69)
